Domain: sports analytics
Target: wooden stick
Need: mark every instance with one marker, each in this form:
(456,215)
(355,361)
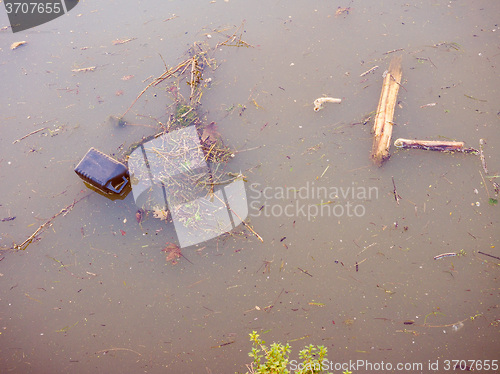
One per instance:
(168,73)
(243,222)
(382,127)
(486,254)
(31,133)
(433,145)
(395,191)
(117,349)
(305,272)
(483,160)
(64,211)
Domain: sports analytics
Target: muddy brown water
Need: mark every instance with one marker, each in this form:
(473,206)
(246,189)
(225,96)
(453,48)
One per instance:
(94,293)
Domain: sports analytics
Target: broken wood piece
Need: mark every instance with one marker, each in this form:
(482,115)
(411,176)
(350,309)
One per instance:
(31,133)
(369,71)
(382,127)
(18,44)
(433,145)
(319,102)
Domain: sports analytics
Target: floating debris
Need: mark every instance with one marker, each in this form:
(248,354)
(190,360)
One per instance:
(451,254)
(382,127)
(393,50)
(178,170)
(369,71)
(433,145)
(173,253)
(486,254)
(341,11)
(84,70)
(319,102)
(18,44)
(122,41)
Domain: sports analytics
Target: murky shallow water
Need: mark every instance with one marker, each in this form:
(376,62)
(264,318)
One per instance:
(85,297)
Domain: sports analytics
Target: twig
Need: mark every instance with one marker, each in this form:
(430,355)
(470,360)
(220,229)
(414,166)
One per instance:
(396,196)
(244,223)
(174,16)
(232,38)
(31,133)
(483,163)
(192,83)
(451,254)
(398,83)
(162,77)
(321,176)
(117,349)
(70,273)
(426,59)
(65,210)
(223,344)
(269,307)
(394,50)
(486,254)
(474,98)
(369,71)
(267,266)
(185,258)
(484,183)
(481,155)
(122,41)
(305,272)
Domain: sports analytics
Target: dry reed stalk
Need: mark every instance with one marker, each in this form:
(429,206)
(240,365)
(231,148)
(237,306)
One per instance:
(433,145)
(382,126)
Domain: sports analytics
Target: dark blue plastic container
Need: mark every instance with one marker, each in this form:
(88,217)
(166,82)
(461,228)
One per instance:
(102,172)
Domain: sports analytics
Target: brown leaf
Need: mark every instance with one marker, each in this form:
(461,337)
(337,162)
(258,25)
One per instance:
(160,214)
(17,44)
(210,133)
(172,251)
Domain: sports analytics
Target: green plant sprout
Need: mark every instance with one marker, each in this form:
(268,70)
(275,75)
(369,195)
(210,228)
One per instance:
(275,359)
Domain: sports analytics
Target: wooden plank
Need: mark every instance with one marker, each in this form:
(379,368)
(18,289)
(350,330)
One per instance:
(382,126)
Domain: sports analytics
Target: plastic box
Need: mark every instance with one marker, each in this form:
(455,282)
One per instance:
(102,172)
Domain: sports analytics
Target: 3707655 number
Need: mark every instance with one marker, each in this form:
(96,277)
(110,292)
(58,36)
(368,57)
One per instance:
(471,365)
(34,8)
